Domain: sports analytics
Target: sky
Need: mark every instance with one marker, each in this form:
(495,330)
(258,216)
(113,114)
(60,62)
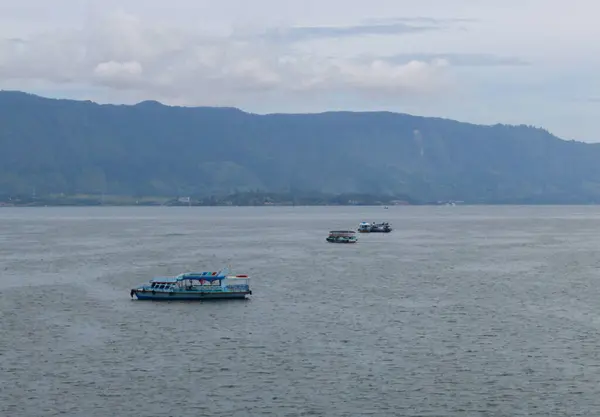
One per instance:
(533,62)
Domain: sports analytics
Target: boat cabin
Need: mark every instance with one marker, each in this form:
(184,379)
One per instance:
(341,236)
(210,281)
(163,284)
(364,227)
(342,233)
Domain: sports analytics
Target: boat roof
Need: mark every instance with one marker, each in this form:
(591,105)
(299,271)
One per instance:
(342,231)
(168,280)
(206,275)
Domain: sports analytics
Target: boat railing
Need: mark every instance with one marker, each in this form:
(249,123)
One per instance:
(240,287)
(201,288)
(207,288)
(237,279)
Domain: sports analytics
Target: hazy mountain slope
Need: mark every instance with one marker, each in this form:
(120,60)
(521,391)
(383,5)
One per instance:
(150,149)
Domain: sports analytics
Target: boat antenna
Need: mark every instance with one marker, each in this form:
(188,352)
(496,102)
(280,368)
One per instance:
(225,271)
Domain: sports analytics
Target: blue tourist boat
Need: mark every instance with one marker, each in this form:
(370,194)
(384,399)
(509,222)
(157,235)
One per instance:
(195,286)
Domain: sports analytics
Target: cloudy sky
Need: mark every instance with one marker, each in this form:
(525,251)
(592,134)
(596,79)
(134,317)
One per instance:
(483,61)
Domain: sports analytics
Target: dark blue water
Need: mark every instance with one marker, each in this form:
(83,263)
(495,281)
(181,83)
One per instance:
(460,311)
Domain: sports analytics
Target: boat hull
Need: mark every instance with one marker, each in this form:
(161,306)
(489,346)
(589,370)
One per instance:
(189,295)
(340,241)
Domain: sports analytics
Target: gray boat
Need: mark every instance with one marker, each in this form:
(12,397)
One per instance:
(366,227)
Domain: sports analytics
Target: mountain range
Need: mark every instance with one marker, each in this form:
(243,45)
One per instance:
(56,146)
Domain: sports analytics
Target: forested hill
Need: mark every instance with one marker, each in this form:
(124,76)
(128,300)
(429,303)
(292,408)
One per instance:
(80,147)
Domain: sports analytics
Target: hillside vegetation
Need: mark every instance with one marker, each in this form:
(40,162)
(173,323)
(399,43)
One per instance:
(75,147)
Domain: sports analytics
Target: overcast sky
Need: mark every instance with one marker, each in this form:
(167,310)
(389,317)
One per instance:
(508,61)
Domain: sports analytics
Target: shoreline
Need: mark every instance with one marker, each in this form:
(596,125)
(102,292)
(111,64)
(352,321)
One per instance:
(491,204)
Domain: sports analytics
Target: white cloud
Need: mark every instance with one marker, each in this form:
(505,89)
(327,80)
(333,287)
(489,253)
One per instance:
(113,69)
(114,74)
(305,74)
(316,55)
(412,77)
(119,51)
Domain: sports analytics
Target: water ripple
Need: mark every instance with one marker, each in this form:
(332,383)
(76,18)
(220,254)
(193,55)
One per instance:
(461,311)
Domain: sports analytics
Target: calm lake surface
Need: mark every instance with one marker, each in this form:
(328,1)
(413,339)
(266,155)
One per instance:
(460,311)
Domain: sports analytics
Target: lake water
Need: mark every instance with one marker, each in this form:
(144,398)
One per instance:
(460,311)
